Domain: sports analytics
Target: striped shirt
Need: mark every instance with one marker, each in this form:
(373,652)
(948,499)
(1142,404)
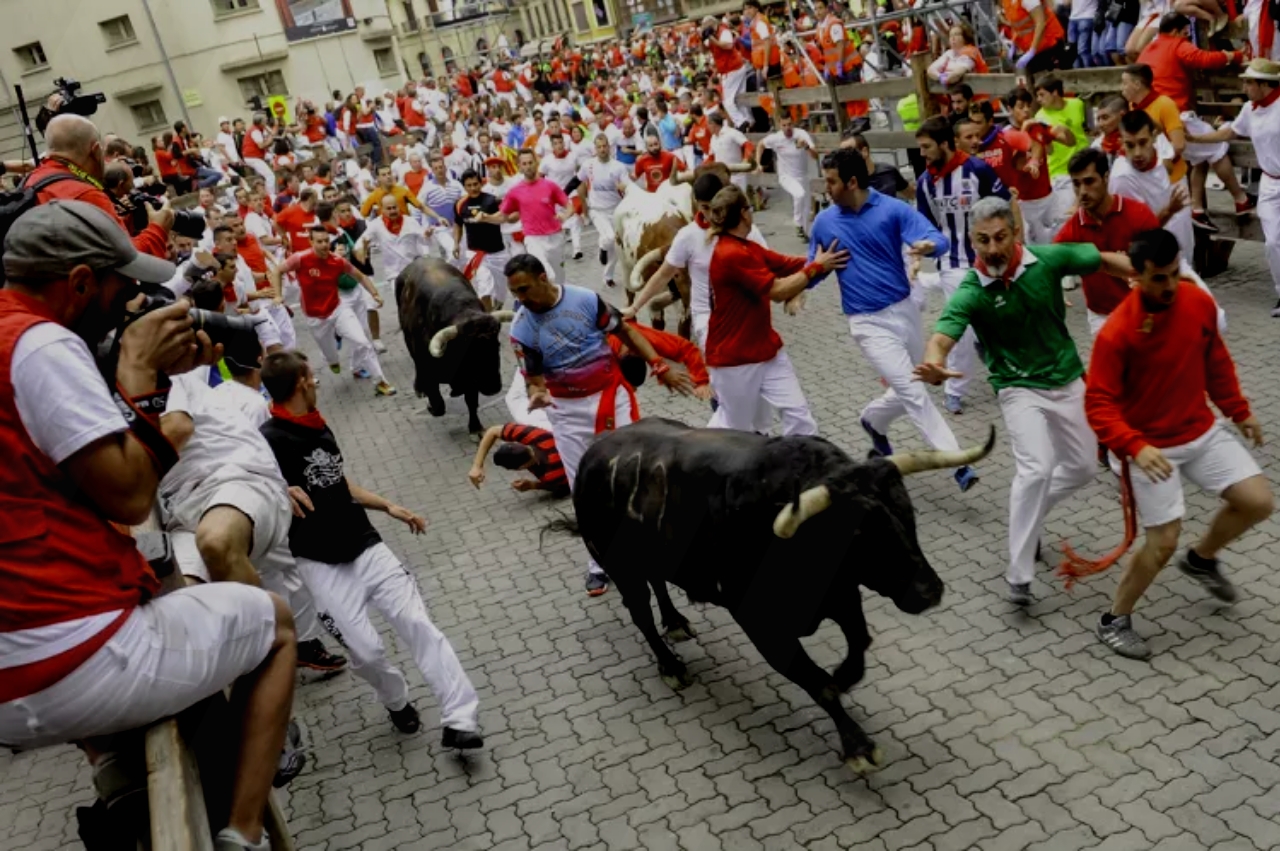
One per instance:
(547,465)
(945,195)
(440,198)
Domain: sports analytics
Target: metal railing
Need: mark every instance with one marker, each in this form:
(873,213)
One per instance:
(463,12)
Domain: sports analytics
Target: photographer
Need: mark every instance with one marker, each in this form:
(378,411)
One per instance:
(74,148)
(87,648)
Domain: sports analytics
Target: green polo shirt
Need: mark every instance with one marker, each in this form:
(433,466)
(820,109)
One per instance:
(1023,325)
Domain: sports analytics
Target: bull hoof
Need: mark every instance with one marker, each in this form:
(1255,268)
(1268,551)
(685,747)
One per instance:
(678,682)
(435,410)
(865,764)
(475,436)
(677,634)
(421,395)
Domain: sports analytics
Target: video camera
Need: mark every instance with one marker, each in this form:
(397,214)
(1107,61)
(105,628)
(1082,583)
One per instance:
(75,103)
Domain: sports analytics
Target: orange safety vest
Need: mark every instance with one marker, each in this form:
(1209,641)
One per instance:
(1023,26)
(764,50)
(837,53)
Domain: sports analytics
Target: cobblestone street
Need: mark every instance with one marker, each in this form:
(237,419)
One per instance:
(1002,730)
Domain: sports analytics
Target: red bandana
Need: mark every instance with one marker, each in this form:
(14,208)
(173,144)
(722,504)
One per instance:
(957,159)
(311,419)
(1271,98)
(393,228)
(1015,260)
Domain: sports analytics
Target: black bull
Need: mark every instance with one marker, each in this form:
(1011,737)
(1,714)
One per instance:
(451,338)
(779,531)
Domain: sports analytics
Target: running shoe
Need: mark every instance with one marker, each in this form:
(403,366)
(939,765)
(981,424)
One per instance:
(229,839)
(1275,311)
(1120,636)
(1210,578)
(293,758)
(380,347)
(577,255)
(313,656)
(966,478)
(1020,594)
(360,374)
(597,584)
(955,404)
(405,720)
(801,235)
(384,389)
(604,258)
(1070,282)
(461,740)
(879,442)
(335,368)
(1245,208)
(1200,219)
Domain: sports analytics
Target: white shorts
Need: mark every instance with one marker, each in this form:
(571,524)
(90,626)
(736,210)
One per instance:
(169,654)
(1214,461)
(264,502)
(1200,152)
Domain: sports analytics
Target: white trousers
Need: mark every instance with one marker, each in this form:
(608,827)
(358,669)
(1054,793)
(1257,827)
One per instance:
(264,171)
(1037,220)
(739,390)
(573,422)
(360,302)
(574,228)
(441,239)
(550,250)
(964,354)
(764,412)
(496,264)
(602,221)
(284,325)
(735,82)
(1064,199)
(1269,217)
(377,579)
(1055,453)
(893,341)
(800,203)
(343,323)
(170,653)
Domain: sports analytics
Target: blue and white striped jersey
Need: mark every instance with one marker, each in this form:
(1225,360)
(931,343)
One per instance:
(944,198)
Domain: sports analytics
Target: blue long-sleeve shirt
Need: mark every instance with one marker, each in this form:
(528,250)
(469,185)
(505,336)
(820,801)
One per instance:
(874,236)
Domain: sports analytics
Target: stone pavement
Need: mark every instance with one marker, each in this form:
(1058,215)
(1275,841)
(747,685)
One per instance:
(1003,730)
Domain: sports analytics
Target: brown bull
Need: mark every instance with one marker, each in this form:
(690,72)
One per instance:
(655,242)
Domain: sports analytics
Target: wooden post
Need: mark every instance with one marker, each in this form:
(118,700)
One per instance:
(920,73)
(837,108)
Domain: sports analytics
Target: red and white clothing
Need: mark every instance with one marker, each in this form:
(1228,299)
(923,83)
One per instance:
(793,166)
(733,72)
(254,151)
(327,316)
(1149,376)
(78,653)
(1264,40)
(1261,123)
(536,201)
(400,244)
(656,169)
(744,352)
(1152,187)
(730,147)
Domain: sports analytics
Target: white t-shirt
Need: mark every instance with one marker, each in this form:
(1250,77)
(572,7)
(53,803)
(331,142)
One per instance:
(1152,188)
(244,399)
(691,250)
(398,250)
(559,170)
(792,160)
(1263,127)
(228,143)
(607,180)
(223,437)
(1083,9)
(726,146)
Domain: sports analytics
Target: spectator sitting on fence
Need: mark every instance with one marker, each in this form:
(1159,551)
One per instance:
(87,647)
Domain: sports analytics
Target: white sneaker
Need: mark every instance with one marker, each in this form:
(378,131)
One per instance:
(380,347)
(1070,282)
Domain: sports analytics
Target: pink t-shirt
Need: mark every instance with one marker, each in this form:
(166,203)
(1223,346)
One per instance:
(536,203)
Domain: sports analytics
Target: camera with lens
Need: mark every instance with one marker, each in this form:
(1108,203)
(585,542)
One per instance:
(235,333)
(73,101)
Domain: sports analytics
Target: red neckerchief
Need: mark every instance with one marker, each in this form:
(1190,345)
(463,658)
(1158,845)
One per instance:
(311,419)
(1275,93)
(1015,260)
(701,220)
(446,150)
(1111,143)
(331,227)
(957,160)
(1266,35)
(1145,102)
(393,228)
(346,222)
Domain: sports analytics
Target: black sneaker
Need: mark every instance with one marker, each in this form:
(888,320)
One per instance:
(313,656)
(1120,636)
(1020,594)
(604,258)
(577,255)
(1210,578)
(1200,219)
(1275,311)
(406,720)
(461,740)
(597,584)
(880,443)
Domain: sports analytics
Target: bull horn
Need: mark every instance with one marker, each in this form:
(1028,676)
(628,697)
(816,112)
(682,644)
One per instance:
(441,339)
(503,315)
(813,501)
(637,271)
(917,462)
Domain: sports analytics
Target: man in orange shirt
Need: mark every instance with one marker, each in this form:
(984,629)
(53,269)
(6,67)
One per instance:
(1172,59)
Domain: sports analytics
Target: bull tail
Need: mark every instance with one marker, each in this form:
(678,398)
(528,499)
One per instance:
(638,276)
(564,525)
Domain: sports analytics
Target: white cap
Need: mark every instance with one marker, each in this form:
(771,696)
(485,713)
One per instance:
(224,120)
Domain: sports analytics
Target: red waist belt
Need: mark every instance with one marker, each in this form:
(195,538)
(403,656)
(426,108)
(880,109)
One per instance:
(605,382)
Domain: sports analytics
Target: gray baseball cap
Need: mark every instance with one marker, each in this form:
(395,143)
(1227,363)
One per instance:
(55,237)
